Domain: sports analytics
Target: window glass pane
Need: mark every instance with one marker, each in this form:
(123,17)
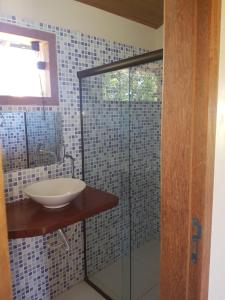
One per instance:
(19,75)
(114,86)
(145,82)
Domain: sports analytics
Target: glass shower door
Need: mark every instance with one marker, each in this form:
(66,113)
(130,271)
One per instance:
(121,112)
(105,107)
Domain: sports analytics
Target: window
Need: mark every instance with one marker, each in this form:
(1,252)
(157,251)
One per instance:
(28,67)
(142,82)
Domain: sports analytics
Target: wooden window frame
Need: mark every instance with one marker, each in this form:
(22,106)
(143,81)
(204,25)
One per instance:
(39,35)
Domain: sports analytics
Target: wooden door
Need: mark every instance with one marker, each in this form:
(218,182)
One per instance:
(191,55)
(5,279)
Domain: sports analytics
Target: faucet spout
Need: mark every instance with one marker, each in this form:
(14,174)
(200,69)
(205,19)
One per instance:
(72,159)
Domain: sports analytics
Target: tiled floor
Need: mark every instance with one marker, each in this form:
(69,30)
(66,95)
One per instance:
(81,291)
(114,280)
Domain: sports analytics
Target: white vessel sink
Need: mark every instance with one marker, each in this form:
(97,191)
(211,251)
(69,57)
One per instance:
(55,193)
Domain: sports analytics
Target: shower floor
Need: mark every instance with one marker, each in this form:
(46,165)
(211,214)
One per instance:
(145,274)
(145,281)
(81,291)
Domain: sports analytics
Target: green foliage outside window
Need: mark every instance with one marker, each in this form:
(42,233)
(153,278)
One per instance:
(143,85)
(116,86)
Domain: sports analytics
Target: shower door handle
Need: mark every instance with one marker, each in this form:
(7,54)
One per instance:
(196,236)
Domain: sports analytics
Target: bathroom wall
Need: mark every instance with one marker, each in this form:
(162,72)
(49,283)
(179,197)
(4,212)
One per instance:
(38,270)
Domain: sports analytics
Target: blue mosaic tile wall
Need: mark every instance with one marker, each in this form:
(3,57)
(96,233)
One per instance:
(38,272)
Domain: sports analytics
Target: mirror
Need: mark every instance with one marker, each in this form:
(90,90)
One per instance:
(30,139)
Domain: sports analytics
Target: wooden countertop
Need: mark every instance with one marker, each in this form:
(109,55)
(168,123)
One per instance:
(27,218)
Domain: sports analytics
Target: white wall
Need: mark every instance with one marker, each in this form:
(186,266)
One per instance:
(217,264)
(83,18)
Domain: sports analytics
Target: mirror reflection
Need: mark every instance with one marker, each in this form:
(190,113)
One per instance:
(30,139)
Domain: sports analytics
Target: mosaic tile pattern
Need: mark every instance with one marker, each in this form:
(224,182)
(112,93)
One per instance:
(145,172)
(39,274)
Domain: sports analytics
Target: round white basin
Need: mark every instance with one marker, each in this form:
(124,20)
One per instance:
(55,193)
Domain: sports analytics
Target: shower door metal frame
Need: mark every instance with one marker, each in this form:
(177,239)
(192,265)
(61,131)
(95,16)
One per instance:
(115,66)
(123,64)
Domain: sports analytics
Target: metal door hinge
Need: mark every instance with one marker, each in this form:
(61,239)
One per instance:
(196,236)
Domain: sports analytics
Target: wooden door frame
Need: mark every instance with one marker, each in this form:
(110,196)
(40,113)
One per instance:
(191,59)
(5,278)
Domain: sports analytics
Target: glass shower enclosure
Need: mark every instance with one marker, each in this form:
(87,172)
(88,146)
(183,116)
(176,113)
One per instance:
(120,123)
